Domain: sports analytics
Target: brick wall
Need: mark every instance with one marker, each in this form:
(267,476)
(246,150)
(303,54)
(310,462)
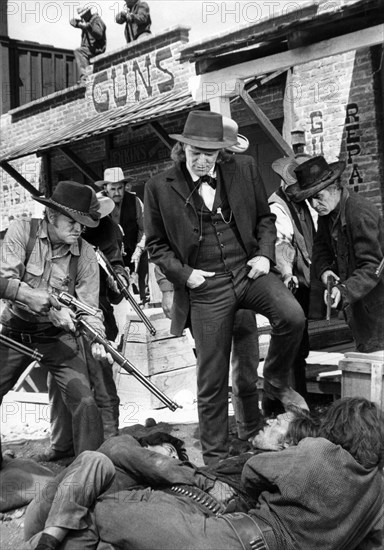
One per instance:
(335,101)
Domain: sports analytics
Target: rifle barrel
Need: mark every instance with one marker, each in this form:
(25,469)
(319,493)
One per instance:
(128,366)
(13,344)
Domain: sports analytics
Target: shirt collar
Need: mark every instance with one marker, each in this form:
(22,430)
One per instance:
(194,177)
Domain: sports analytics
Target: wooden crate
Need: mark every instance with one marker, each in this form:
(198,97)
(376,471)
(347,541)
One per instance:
(167,361)
(363,376)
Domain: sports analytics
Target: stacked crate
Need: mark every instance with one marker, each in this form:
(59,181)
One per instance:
(363,376)
(166,360)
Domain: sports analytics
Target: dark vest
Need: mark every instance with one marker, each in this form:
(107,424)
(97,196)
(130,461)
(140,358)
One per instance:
(221,249)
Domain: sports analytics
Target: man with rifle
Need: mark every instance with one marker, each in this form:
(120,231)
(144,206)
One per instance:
(349,247)
(50,255)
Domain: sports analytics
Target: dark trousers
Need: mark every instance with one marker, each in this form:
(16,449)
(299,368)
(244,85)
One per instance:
(299,377)
(82,56)
(244,363)
(105,395)
(64,359)
(213,307)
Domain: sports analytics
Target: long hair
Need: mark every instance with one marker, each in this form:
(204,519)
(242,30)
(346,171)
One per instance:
(304,424)
(158,438)
(178,154)
(358,426)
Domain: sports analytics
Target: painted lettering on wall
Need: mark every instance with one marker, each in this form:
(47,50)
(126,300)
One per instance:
(317,130)
(352,126)
(133,81)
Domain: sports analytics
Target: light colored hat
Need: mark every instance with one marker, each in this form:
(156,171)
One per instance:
(230,129)
(87,7)
(105,206)
(112,175)
(285,167)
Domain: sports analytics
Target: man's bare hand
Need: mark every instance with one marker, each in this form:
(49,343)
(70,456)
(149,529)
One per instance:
(38,300)
(197,277)
(99,353)
(328,273)
(167,303)
(63,319)
(260,265)
(335,297)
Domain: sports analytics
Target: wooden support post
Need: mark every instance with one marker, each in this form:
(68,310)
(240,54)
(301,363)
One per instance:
(161,134)
(266,124)
(221,105)
(20,179)
(84,168)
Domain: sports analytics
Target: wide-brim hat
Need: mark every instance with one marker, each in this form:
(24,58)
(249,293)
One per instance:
(75,201)
(105,204)
(230,132)
(204,129)
(86,8)
(112,175)
(313,175)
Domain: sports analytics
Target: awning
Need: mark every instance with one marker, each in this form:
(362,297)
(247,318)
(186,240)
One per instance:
(148,110)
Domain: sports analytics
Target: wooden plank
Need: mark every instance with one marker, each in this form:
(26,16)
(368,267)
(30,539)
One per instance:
(377,383)
(28,397)
(266,124)
(206,86)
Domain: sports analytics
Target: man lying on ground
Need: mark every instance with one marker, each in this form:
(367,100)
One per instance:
(325,490)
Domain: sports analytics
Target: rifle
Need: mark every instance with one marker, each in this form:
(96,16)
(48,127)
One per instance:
(105,264)
(93,336)
(13,344)
(330,284)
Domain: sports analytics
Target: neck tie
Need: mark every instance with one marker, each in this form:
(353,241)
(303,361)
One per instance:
(208,179)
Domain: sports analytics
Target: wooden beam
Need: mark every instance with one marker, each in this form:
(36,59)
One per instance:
(222,82)
(20,179)
(266,124)
(161,134)
(84,168)
(221,105)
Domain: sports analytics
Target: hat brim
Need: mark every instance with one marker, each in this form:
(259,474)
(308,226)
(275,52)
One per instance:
(83,219)
(101,183)
(106,205)
(301,194)
(240,146)
(201,143)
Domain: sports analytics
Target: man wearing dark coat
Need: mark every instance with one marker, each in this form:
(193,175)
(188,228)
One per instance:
(349,246)
(93,37)
(137,20)
(216,247)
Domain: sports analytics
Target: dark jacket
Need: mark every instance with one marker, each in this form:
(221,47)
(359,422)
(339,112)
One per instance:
(172,224)
(93,36)
(137,21)
(354,256)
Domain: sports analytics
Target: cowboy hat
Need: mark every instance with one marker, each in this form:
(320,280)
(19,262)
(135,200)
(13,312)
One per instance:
(204,129)
(230,132)
(112,175)
(86,8)
(285,167)
(105,204)
(313,175)
(75,201)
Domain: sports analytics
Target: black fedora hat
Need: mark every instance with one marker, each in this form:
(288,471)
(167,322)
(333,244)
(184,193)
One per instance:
(313,175)
(204,129)
(74,200)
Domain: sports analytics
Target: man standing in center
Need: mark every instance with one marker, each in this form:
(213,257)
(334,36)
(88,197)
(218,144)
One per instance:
(209,229)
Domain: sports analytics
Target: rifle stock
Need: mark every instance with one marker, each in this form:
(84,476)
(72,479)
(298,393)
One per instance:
(107,266)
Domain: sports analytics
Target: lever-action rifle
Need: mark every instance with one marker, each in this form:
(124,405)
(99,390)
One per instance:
(93,335)
(108,268)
